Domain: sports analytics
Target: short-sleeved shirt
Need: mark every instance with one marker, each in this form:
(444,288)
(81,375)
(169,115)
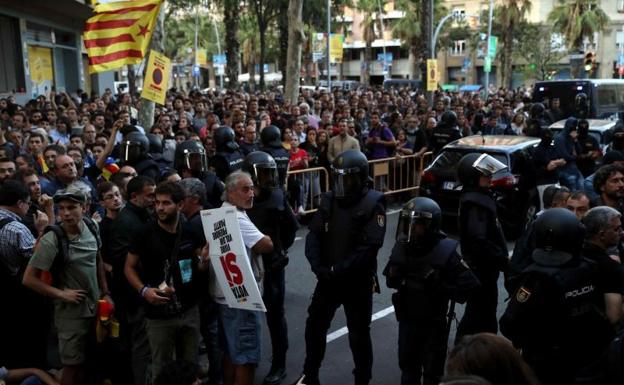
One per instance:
(251,235)
(79,272)
(378,150)
(154,246)
(16,243)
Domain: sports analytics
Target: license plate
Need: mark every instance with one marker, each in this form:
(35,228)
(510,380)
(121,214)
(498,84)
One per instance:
(449,185)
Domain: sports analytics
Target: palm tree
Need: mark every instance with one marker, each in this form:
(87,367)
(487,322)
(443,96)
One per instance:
(368,24)
(577,20)
(510,14)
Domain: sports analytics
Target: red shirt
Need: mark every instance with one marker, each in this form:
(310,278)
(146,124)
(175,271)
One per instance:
(298,159)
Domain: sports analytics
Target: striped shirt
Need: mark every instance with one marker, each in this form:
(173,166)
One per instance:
(16,243)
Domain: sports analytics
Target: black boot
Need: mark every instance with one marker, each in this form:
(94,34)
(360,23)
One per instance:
(276,376)
(306,380)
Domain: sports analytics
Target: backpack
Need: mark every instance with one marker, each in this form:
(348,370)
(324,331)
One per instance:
(62,256)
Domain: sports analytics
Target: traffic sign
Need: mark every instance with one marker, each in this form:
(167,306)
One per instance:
(219,59)
(492,47)
(196,70)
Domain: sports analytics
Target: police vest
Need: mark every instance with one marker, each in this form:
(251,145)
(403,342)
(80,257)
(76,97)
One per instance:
(265,214)
(344,227)
(282,158)
(148,167)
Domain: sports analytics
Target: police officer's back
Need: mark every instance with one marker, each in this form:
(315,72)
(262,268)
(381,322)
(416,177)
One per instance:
(271,143)
(134,151)
(427,271)
(191,162)
(228,157)
(341,246)
(482,241)
(445,132)
(554,316)
(273,216)
(156,153)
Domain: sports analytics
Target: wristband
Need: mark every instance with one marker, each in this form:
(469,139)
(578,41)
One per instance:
(144,290)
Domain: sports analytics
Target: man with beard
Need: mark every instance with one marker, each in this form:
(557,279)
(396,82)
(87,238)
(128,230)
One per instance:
(609,184)
(167,280)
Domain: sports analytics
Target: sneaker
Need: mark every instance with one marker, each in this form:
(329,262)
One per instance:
(275,376)
(307,381)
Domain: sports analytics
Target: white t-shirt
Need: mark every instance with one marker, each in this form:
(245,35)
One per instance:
(251,235)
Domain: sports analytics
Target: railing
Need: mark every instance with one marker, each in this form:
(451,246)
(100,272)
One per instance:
(390,175)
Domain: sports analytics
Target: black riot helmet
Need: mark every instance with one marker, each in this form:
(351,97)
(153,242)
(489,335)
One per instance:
(271,137)
(155,144)
(581,104)
(537,110)
(134,146)
(558,237)
(262,168)
(448,119)
(475,165)
(190,155)
(349,174)
(419,211)
(225,139)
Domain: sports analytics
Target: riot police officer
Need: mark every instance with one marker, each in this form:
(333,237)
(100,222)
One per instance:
(427,271)
(156,153)
(445,132)
(482,241)
(341,246)
(273,216)
(554,316)
(190,161)
(581,106)
(271,141)
(228,157)
(134,151)
(536,120)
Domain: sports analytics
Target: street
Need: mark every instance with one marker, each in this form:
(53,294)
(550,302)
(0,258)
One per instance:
(338,363)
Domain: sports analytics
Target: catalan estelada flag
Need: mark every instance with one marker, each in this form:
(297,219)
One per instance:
(119,33)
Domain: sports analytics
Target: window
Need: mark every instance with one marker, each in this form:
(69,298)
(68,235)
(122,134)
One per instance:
(11,68)
(620,6)
(459,47)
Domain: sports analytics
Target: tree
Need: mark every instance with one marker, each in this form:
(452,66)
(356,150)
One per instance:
(539,50)
(577,20)
(250,51)
(231,19)
(368,8)
(510,14)
(293,57)
(283,28)
(265,11)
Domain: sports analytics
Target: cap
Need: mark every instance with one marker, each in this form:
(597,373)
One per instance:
(63,195)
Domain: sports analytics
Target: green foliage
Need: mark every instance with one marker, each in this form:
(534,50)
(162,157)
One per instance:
(180,35)
(538,52)
(577,20)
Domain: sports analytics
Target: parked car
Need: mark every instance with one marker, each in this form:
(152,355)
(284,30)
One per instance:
(514,189)
(600,129)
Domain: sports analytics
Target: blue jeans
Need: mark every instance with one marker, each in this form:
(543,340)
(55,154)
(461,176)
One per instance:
(572,179)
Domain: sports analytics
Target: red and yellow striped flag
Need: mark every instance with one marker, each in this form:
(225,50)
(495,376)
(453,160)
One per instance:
(119,33)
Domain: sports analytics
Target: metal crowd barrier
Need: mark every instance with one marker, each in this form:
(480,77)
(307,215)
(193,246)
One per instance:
(390,175)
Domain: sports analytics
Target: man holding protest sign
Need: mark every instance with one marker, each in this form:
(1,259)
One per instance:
(240,327)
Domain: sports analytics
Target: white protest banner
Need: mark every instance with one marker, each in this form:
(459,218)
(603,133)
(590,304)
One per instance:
(229,259)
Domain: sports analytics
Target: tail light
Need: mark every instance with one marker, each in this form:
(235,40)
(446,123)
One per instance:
(427,177)
(505,181)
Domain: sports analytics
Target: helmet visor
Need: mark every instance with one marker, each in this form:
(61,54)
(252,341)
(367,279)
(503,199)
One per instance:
(129,151)
(488,165)
(266,176)
(347,182)
(196,161)
(409,219)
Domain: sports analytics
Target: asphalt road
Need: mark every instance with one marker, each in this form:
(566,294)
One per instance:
(338,363)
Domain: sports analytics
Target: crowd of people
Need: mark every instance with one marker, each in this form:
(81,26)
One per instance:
(104,264)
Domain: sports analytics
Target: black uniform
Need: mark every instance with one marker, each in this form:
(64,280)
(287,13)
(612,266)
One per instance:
(226,162)
(482,241)
(282,158)
(445,132)
(273,216)
(341,247)
(426,276)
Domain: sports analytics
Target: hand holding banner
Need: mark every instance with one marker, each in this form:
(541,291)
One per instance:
(229,260)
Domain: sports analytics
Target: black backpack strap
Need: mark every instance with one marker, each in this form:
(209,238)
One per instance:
(62,256)
(94,230)
(5,221)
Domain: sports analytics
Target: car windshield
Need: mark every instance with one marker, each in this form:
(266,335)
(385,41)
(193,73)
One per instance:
(446,163)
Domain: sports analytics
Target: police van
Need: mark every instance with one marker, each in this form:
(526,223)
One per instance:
(606,96)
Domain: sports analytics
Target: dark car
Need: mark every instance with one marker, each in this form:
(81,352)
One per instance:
(514,189)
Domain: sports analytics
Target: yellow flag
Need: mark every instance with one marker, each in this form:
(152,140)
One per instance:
(432,74)
(156,77)
(119,33)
